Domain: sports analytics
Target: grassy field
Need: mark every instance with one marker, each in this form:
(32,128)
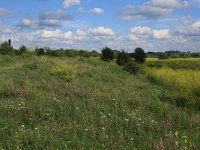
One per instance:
(85,103)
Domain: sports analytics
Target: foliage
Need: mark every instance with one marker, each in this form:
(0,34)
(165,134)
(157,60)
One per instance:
(107,54)
(40,51)
(132,67)
(6,49)
(23,49)
(122,58)
(62,73)
(139,55)
(162,55)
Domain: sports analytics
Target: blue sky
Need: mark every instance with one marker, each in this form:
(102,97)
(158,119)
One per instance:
(154,25)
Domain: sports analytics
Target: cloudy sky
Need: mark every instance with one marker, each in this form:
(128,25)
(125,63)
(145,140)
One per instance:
(154,25)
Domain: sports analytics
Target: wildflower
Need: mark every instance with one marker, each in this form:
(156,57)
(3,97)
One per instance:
(176,133)
(86,129)
(22,126)
(126,119)
(185,140)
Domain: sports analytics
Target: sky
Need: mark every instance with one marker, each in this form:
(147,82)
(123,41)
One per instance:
(154,25)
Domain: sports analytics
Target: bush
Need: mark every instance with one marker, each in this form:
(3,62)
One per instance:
(122,58)
(62,73)
(132,67)
(140,55)
(6,49)
(107,54)
(23,49)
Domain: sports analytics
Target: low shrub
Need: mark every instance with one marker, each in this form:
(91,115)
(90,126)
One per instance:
(122,58)
(62,73)
(132,67)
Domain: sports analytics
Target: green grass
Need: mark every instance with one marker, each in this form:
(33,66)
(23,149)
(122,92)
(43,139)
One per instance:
(100,107)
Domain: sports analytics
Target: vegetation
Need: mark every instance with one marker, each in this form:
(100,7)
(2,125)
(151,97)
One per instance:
(77,102)
(6,49)
(139,55)
(107,54)
(122,58)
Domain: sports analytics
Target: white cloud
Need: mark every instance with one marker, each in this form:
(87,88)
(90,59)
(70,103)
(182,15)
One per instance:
(70,3)
(94,10)
(45,33)
(102,31)
(68,35)
(141,30)
(3,11)
(196,26)
(153,9)
(141,33)
(162,34)
(97,10)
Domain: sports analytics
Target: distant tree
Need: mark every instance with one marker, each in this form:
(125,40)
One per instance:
(23,49)
(107,54)
(6,49)
(162,55)
(94,53)
(140,55)
(40,51)
(194,54)
(122,58)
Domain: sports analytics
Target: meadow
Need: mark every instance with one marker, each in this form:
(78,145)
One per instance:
(181,76)
(85,103)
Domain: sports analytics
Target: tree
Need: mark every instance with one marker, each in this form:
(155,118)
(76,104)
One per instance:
(140,55)
(107,54)
(6,49)
(122,58)
(23,49)
(162,55)
(40,51)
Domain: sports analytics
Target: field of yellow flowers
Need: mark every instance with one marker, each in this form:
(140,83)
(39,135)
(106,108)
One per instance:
(179,75)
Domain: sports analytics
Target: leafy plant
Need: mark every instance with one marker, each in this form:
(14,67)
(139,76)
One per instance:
(131,67)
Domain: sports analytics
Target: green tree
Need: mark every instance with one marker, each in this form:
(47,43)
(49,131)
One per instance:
(107,54)
(6,49)
(122,58)
(23,49)
(140,55)
(40,51)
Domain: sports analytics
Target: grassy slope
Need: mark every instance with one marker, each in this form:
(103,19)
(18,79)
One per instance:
(102,108)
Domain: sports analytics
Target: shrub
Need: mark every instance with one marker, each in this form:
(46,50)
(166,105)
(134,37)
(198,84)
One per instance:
(6,49)
(62,73)
(23,49)
(107,54)
(140,55)
(132,67)
(122,58)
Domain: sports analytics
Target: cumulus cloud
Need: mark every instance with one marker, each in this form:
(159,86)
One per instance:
(92,11)
(53,18)
(3,11)
(141,33)
(153,9)
(70,3)
(47,19)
